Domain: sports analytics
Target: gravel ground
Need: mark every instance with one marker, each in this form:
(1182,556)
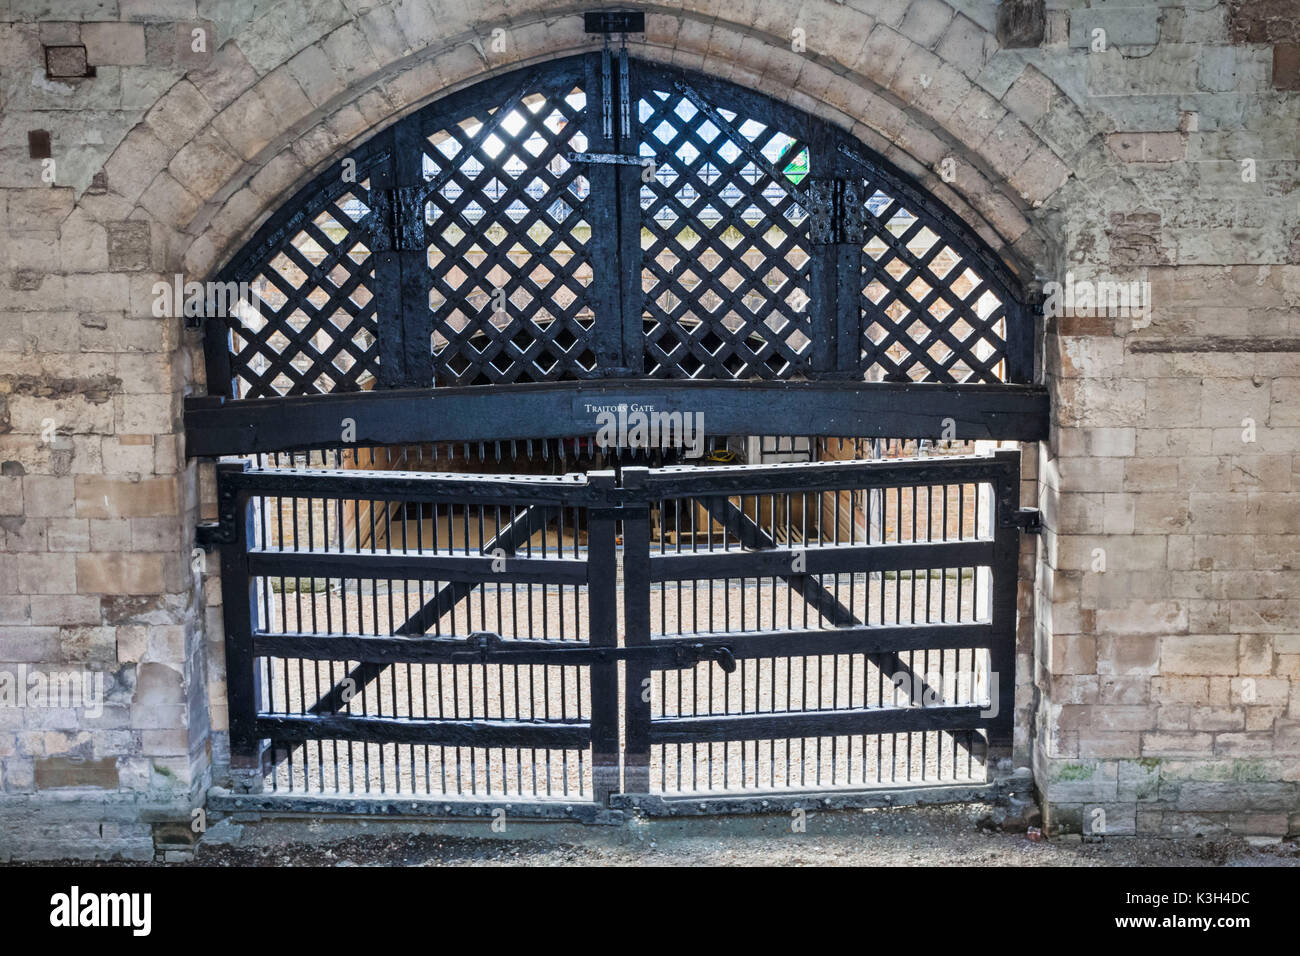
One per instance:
(927,836)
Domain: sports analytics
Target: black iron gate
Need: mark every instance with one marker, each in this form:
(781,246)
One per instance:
(784,630)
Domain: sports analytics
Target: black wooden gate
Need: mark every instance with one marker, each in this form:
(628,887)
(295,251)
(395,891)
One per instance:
(870,607)
(363,608)
(782,630)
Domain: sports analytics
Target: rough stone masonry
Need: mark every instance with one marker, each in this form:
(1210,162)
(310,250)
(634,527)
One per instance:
(1144,142)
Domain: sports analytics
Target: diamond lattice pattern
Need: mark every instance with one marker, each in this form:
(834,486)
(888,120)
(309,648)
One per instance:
(928,314)
(725,257)
(508,239)
(310,325)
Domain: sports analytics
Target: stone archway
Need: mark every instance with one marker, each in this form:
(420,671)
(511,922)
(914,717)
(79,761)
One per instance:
(214,155)
(450,178)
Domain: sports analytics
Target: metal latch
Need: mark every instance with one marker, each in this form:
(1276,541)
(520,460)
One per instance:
(720,654)
(485,647)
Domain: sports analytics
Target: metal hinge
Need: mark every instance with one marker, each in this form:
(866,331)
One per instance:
(209,536)
(1029,520)
(835,212)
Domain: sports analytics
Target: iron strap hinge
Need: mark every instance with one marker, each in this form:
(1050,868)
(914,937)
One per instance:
(606,159)
(210,536)
(484,647)
(624,97)
(1028,520)
(835,212)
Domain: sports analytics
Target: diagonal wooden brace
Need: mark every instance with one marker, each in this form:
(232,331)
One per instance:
(508,539)
(740,525)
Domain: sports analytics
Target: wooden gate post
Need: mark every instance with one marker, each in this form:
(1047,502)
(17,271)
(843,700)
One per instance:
(239,612)
(636,629)
(602,603)
(1006,585)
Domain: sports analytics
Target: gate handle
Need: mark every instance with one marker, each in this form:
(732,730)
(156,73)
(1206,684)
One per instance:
(719,654)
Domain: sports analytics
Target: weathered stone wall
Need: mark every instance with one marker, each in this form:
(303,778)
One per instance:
(1164,690)
(1169,608)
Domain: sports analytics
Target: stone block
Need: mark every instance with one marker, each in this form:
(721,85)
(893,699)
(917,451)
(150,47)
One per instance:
(1177,744)
(64,609)
(966,46)
(104,497)
(120,574)
(1122,26)
(926,21)
(55,773)
(1199,654)
(130,245)
(1215,796)
(1077,781)
(28,644)
(1128,656)
(114,44)
(47,574)
(46,496)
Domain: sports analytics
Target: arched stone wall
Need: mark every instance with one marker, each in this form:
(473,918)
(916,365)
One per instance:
(215,152)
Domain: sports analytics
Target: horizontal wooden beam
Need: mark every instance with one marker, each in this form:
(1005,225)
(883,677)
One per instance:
(839,559)
(414,806)
(783,801)
(364,485)
(799,478)
(827,723)
(795,642)
(410,650)
(570,735)
(215,426)
(861,639)
(417,566)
